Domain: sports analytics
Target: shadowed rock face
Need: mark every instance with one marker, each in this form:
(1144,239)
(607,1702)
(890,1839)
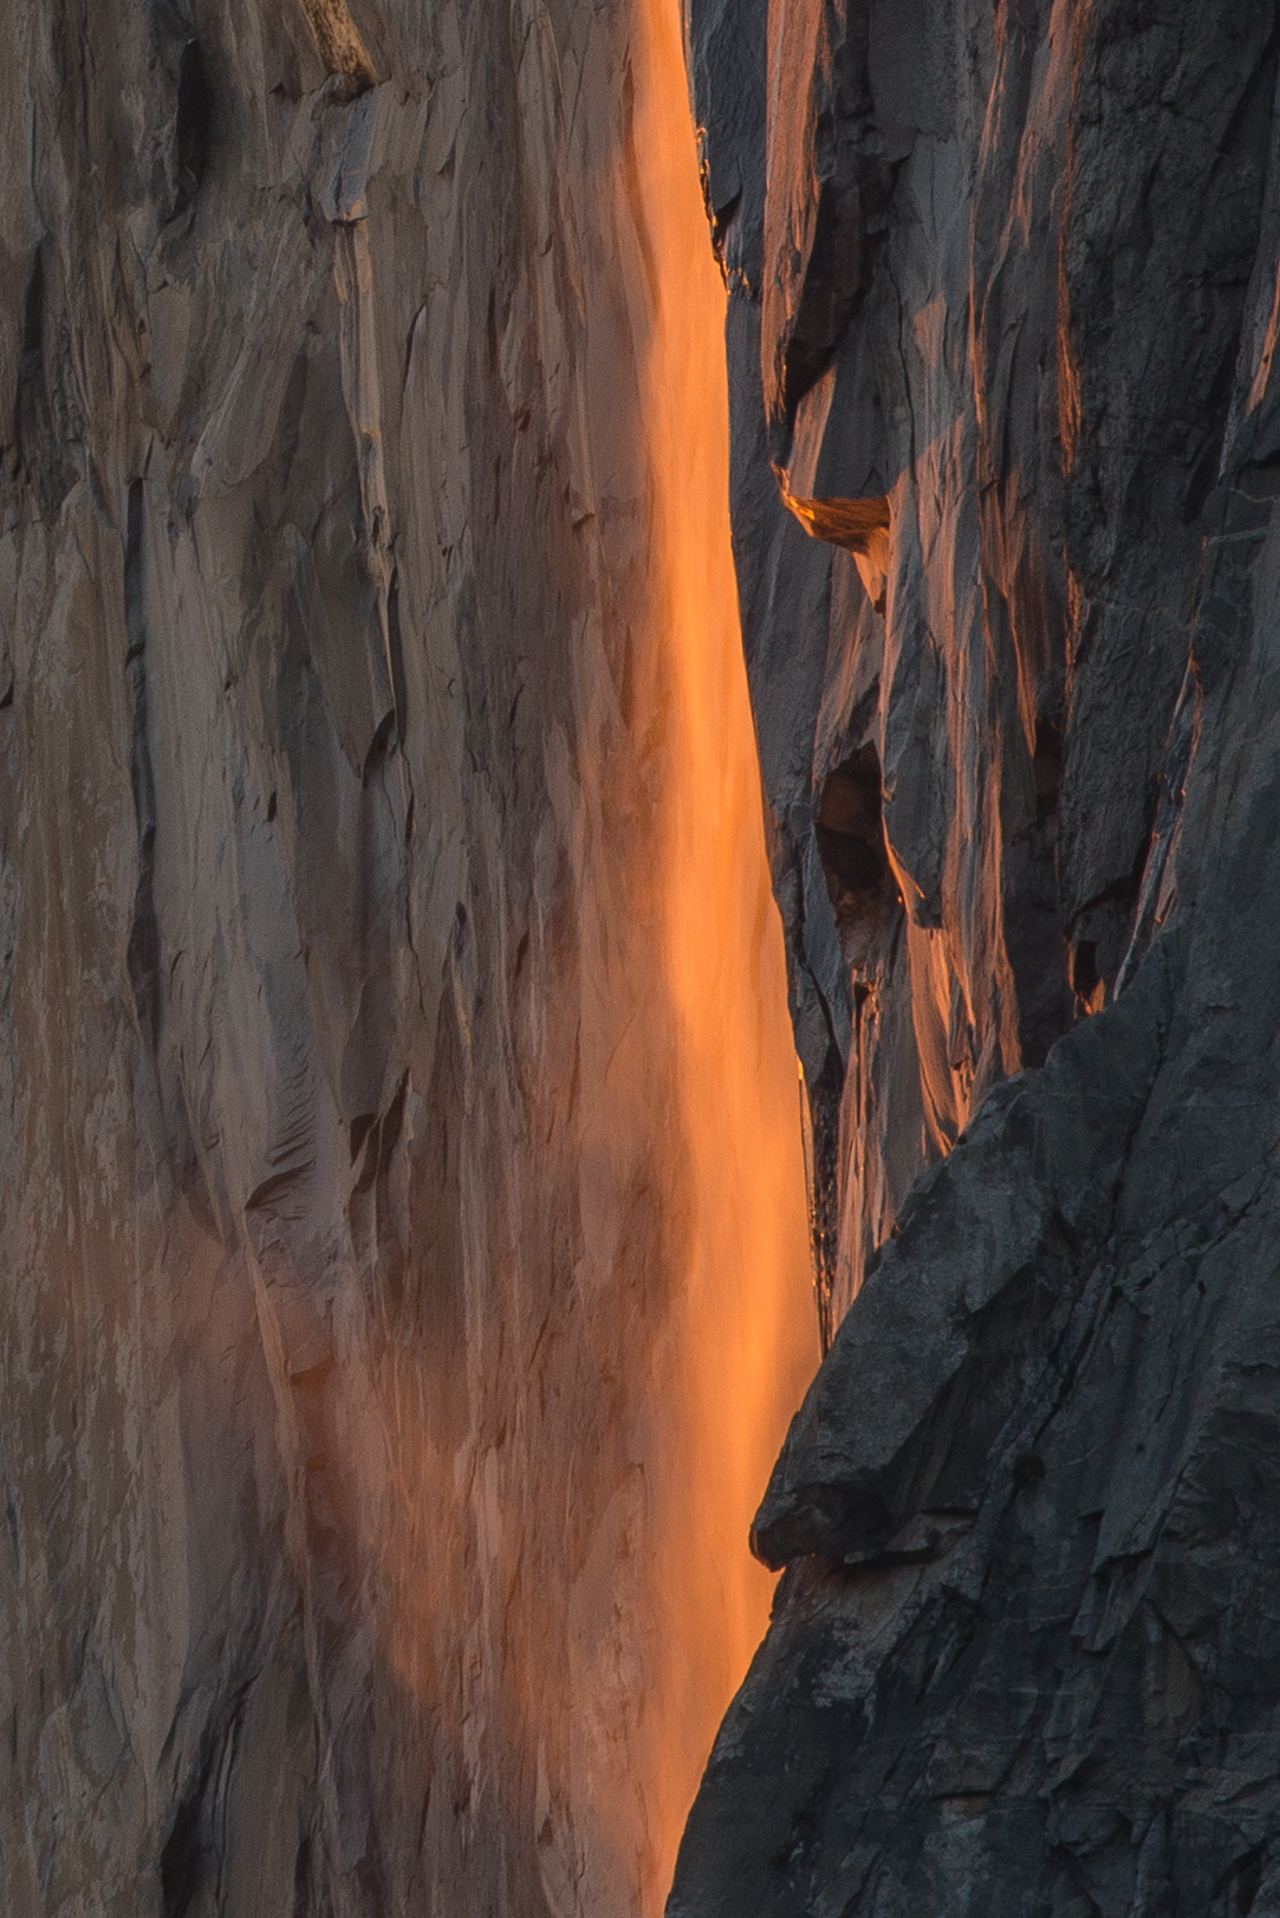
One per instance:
(1024,1654)
(989,271)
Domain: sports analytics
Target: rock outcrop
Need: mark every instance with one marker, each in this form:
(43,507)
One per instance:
(1003,292)
(401,1194)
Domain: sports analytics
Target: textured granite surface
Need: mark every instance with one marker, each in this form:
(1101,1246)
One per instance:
(1012,273)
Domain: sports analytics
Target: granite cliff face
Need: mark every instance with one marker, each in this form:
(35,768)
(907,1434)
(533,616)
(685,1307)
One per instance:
(1003,310)
(399,1182)
(401,1195)
(989,271)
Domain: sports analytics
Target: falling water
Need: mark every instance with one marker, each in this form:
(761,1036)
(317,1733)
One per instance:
(575,1601)
(744,1337)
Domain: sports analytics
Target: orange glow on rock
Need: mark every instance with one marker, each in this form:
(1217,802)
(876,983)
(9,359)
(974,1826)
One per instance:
(568,1593)
(743,1336)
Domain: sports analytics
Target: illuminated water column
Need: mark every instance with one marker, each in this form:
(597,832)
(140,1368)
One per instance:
(581,1447)
(744,1337)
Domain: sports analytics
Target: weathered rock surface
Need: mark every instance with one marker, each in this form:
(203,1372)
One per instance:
(1012,275)
(390,1186)
(992,298)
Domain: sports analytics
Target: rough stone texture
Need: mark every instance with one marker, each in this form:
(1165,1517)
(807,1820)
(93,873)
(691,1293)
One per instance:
(1024,1655)
(993,295)
(362,1216)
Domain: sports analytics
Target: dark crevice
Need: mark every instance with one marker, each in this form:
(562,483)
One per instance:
(302,1900)
(722,218)
(1047,768)
(193,129)
(41,460)
(849,837)
(1085,977)
(395,651)
(1184,732)
(371,1211)
(824,1188)
(1119,891)
(180,1861)
(1203,476)
(269,1192)
(849,231)
(1245,1880)
(1257,90)
(1037,951)
(1101,934)
(183,1856)
(849,833)
(33,311)
(850,222)
(850,829)
(381,746)
(144,933)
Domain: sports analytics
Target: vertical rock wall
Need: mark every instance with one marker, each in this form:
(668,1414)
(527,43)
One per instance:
(988,271)
(1001,340)
(365,677)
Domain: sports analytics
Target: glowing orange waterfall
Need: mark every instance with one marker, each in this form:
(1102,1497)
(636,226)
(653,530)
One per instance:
(570,1594)
(744,1337)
